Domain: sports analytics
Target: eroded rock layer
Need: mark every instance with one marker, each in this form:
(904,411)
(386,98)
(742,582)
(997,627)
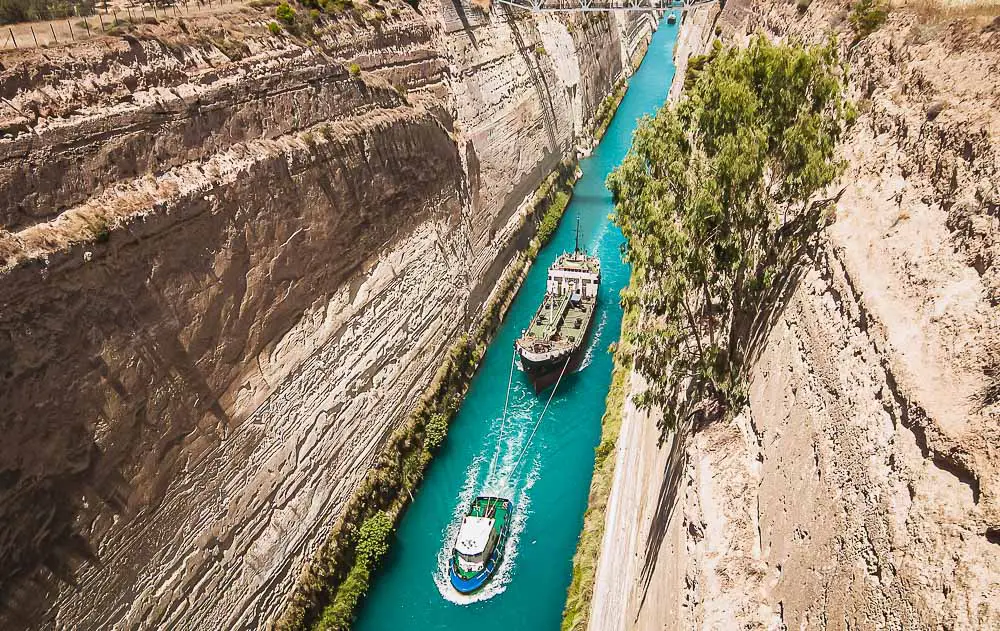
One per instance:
(860,487)
(230,262)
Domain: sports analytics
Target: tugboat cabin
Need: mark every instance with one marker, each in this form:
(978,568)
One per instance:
(476,541)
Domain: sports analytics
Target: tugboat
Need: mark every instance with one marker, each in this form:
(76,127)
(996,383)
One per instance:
(672,19)
(549,346)
(479,548)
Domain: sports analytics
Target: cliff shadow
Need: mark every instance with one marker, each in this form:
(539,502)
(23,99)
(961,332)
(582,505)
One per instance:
(537,78)
(87,445)
(464,19)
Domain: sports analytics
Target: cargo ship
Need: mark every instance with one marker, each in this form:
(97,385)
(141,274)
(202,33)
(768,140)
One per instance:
(479,547)
(550,345)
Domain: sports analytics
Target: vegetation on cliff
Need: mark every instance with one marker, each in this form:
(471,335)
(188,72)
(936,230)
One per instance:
(606,111)
(331,587)
(868,15)
(719,199)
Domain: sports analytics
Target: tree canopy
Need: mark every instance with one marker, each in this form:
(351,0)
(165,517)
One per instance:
(718,198)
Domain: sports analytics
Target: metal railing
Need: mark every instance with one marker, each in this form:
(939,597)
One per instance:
(105,20)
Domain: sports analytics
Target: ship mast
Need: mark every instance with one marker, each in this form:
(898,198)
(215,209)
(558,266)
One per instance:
(576,244)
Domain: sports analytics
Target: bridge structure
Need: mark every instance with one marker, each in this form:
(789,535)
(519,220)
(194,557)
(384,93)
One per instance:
(582,6)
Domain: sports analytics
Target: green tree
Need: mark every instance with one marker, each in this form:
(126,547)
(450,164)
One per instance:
(718,198)
(373,538)
(437,429)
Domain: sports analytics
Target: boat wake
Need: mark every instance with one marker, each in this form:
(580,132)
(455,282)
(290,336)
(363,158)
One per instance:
(501,484)
(588,356)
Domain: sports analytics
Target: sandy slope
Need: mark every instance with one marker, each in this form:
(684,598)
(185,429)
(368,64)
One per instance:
(858,489)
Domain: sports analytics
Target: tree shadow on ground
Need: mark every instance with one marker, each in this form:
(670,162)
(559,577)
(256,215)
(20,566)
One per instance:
(798,248)
(666,502)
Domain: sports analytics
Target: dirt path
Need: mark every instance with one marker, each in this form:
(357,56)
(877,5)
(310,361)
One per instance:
(68,30)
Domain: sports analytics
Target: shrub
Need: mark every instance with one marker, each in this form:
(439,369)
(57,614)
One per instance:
(373,539)
(355,70)
(437,429)
(285,13)
(274,28)
(606,111)
(550,221)
(12,11)
(867,16)
(338,6)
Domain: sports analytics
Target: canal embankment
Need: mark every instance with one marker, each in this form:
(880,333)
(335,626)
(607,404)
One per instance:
(869,410)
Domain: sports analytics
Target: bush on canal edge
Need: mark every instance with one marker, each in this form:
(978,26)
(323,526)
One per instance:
(373,543)
(576,613)
(331,586)
(606,112)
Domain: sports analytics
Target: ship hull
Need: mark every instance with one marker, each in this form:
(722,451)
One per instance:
(544,376)
(543,370)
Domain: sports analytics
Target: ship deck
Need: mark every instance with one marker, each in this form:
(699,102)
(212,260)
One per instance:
(541,328)
(571,262)
(487,507)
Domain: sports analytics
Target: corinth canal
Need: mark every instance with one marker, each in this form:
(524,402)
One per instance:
(411,590)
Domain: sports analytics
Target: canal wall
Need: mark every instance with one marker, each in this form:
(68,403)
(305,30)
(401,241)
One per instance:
(230,263)
(858,489)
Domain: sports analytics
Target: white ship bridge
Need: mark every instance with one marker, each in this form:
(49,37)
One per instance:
(601,5)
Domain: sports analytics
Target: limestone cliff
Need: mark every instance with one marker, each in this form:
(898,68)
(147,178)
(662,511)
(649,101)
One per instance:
(859,489)
(229,265)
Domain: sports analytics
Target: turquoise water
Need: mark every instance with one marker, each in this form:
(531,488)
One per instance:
(411,590)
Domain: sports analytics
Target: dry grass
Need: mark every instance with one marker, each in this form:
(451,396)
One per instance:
(989,394)
(941,10)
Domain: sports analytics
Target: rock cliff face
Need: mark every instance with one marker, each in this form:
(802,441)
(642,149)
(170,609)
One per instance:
(229,265)
(859,489)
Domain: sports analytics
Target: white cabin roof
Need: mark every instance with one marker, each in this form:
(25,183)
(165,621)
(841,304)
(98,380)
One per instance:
(474,535)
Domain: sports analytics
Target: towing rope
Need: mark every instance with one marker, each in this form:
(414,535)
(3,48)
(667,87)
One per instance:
(510,380)
(540,417)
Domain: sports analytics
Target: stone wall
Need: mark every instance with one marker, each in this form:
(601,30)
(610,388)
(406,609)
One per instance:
(229,265)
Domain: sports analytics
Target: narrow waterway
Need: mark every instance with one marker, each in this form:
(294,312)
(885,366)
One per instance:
(411,590)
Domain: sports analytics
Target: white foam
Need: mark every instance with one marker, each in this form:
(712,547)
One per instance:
(588,356)
(505,486)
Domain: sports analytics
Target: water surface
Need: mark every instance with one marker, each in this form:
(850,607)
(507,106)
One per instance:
(550,486)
